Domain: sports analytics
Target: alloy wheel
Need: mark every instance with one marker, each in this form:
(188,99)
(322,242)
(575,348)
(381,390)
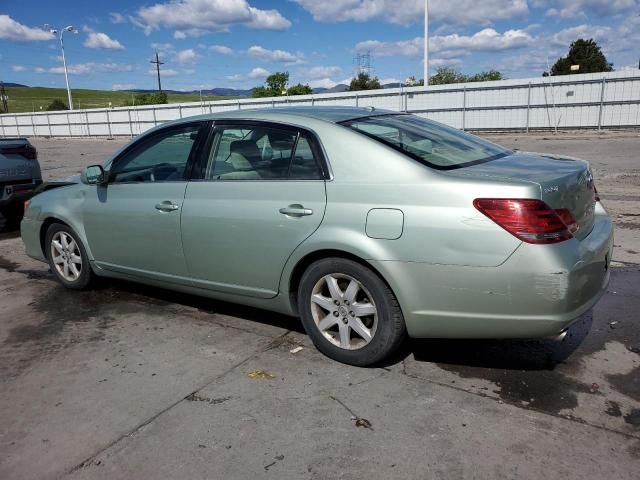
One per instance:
(344,311)
(66,256)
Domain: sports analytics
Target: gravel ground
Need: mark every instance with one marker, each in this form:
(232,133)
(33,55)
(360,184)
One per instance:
(127,381)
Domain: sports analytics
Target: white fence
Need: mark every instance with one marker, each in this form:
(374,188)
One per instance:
(603,100)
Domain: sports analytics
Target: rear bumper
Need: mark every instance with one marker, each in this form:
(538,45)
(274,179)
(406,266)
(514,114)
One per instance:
(538,292)
(14,194)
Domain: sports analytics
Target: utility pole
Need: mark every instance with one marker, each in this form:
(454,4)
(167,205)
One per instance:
(60,32)
(426,42)
(157,62)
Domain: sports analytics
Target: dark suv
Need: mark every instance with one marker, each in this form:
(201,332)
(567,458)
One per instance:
(19,176)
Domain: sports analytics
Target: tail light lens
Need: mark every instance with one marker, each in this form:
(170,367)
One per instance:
(529,220)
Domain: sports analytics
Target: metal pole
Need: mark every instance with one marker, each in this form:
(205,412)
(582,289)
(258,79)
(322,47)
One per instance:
(86,119)
(69,123)
(464,107)
(130,124)
(17,126)
(66,74)
(180,110)
(357,100)
(109,124)
(528,105)
(49,124)
(155,120)
(604,82)
(2,125)
(33,125)
(426,42)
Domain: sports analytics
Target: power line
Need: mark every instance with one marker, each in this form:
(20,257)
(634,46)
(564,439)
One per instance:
(157,63)
(363,62)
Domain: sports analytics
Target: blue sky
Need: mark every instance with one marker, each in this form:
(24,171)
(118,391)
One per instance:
(236,43)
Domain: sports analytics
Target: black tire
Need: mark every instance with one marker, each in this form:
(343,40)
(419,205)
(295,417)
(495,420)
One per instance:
(390,331)
(86,276)
(10,218)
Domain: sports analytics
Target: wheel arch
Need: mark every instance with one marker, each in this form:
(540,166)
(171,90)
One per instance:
(293,279)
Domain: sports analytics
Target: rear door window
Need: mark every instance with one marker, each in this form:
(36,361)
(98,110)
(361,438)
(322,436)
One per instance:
(261,153)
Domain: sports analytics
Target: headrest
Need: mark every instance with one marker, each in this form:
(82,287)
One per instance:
(246,148)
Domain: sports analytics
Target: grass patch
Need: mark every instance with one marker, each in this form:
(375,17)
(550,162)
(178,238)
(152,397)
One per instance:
(29,99)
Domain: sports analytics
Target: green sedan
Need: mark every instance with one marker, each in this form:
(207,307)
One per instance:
(369,225)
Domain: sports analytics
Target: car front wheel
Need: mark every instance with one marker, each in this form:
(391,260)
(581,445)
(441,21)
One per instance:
(67,257)
(350,314)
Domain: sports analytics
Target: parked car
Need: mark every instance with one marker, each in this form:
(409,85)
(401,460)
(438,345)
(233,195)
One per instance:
(19,176)
(368,224)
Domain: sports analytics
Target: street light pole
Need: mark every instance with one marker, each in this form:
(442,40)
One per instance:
(60,33)
(426,42)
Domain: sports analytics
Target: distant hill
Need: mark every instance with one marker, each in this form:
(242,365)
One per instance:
(9,84)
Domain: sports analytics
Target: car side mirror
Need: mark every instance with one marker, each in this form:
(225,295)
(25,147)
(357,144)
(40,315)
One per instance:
(93,175)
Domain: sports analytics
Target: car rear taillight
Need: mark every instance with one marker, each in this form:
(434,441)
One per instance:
(530,220)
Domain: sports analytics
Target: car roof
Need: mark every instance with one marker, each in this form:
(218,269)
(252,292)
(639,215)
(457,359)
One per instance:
(328,114)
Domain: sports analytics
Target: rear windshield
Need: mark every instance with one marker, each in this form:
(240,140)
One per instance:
(431,143)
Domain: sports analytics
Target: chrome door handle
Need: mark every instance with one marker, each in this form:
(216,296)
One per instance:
(167,206)
(296,211)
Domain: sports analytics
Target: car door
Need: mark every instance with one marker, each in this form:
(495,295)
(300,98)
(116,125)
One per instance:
(133,222)
(259,194)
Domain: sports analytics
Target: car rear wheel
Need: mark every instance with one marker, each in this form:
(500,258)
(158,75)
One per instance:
(350,314)
(67,257)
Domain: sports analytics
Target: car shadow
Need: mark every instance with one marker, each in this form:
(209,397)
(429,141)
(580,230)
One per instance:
(528,355)
(210,306)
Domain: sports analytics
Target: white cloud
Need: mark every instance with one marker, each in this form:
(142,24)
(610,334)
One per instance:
(163,48)
(179,35)
(12,30)
(320,72)
(187,56)
(276,56)
(450,46)
(103,41)
(221,49)
(234,78)
(123,86)
(407,12)
(582,8)
(198,17)
(18,68)
(258,73)
(88,68)
(115,17)
(563,38)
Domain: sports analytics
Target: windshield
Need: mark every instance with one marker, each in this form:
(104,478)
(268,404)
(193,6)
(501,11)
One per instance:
(431,143)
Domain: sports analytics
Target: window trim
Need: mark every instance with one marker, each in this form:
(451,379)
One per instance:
(147,138)
(348,124)
(320,157)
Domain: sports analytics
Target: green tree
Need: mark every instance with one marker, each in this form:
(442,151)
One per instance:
(413,82)
(490,76)
(364,81)
(277,83)
(300,89)
(260,91)
(57,104)
(156,98)
(585,53)
(447,75)
(276,86)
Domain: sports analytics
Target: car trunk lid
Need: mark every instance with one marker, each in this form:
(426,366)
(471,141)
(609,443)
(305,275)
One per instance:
(565,183)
